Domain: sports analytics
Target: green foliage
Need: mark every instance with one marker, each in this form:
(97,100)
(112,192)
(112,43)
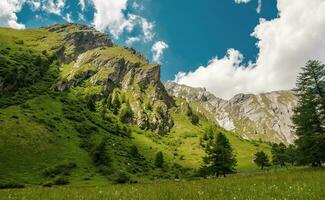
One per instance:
(122,178)
(279,154)
(219,157)
(159,160)
(261,159)
(11,185)
(20,66)
(192,116)
(309,116)
(126,113)
(62,169)
(116,102)
(101,155)
(62,180)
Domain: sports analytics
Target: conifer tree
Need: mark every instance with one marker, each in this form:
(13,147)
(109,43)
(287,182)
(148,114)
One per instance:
(159,161)
(261,159)
(309,116)
(220,158)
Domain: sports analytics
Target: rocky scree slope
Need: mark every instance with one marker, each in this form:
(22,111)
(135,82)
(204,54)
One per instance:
(264,116)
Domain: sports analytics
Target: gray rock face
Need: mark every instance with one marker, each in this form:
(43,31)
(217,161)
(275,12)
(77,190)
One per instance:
(264,116)
(78,39)
(91,58)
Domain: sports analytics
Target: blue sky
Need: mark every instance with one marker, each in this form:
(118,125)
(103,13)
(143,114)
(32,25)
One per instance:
(225,46)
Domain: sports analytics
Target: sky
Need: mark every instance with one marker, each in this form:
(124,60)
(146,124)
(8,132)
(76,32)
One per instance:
(225,46)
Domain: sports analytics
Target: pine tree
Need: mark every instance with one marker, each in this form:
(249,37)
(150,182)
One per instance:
(219,158)
(261,159)
(159,161)
(309,116)
(279,154)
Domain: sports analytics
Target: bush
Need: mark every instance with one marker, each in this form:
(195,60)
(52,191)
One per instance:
(126,113)
(159,160)
(122,178)
(11,185)
(62,169)
(61,181)
(48,184)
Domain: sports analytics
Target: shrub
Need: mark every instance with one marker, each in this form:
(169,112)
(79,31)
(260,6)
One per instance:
(122,178)
(62,169)
(159,160)
(11,185)
(100,155)
(62,180)
(48,184)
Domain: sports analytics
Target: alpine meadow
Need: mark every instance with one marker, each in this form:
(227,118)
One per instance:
(95,105)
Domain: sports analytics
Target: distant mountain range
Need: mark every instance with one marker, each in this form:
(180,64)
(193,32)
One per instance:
(264,116)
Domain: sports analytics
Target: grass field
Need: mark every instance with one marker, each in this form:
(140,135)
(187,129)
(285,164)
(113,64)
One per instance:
(281,184)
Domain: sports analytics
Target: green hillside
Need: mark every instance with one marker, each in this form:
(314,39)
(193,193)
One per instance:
(85,114)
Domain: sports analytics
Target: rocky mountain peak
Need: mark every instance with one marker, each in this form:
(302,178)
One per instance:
(78,39)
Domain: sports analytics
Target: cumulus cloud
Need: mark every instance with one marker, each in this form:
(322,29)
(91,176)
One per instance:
(111,16)
(54,6)
(132,40)
(158,50)
(8,17)
(147,29)
(285,45)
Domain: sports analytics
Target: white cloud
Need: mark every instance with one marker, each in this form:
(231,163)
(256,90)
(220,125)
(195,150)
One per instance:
(112,16)
(132,40)
(82,4)
(259,6)
(54,6)
(137,6)
(147,29)
(81,17)
(242,1)
(285,45)
(68,18)
(34,4)
(109,16)
(158,51)
(8,10)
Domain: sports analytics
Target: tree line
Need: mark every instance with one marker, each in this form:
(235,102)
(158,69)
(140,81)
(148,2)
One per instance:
(309,121)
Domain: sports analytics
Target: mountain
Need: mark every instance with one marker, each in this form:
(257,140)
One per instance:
(264,116)
(75,107)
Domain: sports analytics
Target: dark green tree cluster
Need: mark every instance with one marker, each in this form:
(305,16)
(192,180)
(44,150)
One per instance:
(220,158)
(126,113)
(159,160)
(192,116)
(309,115)
(261,159)
(21,66)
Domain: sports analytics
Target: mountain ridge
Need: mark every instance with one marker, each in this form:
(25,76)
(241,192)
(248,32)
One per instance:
(265,116)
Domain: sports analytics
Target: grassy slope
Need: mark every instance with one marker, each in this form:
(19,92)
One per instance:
(182,145)
(292,184)
(36,134)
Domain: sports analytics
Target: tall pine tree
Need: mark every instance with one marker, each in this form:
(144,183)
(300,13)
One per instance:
(309,116)
(220,158)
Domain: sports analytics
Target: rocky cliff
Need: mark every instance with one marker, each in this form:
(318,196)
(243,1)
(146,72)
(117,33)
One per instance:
(264,116)
(89,58)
